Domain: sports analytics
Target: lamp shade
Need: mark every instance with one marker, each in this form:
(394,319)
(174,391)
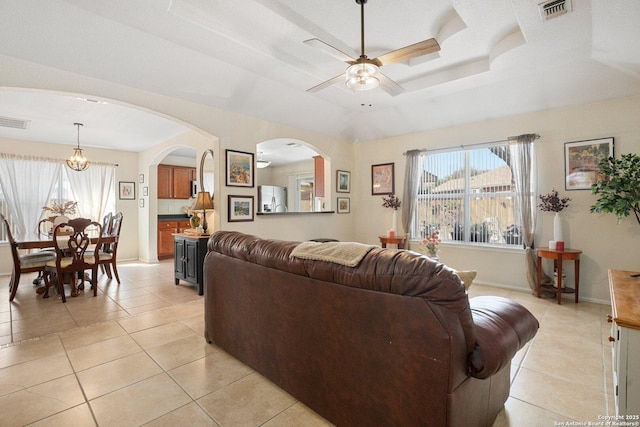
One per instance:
(203,201)
(362,76)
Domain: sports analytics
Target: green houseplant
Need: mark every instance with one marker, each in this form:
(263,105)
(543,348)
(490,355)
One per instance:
(618,186)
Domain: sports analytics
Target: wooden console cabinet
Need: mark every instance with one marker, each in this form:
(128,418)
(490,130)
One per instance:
(174,182)
(188,259)
(625,337)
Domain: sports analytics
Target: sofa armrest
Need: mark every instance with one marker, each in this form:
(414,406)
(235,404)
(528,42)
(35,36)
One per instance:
(502,328)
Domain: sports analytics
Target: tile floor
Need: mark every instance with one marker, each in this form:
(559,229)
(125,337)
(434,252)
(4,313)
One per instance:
(135,355)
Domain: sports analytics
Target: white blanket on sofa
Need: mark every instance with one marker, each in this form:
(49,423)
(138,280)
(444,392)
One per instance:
(343,253)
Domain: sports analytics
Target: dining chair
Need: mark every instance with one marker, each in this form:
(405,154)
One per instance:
(26,263)
(109,250)
(76,252)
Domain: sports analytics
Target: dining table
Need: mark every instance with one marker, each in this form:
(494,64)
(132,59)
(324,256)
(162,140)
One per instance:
(45,241)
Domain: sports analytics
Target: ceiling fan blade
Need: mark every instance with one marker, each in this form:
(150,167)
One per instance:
(327,48)
(412,51)
(389,86)
(326,84)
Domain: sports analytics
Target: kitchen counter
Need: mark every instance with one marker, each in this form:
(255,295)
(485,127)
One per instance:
(172,217)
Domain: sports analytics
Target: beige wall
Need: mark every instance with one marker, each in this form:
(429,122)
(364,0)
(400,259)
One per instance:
(604,243)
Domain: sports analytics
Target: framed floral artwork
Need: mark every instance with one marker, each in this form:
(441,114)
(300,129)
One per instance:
(382,179)
(239,169)
(581,159)
(126,190)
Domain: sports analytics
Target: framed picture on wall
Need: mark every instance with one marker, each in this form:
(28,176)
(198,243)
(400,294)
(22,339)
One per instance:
(239,169)
(343,182)
(382,179)
(240,208)
(581,159)
(126,190)
(344,205)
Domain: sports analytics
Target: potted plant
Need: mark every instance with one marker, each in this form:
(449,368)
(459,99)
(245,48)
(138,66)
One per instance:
(618,187)
(393,202)
(552,202)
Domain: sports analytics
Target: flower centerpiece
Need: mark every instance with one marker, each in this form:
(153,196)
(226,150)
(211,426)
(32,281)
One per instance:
(392,201)
(57,209)
(553,203)
(431,244)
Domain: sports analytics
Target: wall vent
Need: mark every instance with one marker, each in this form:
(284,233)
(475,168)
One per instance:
(553,9)
(9,122)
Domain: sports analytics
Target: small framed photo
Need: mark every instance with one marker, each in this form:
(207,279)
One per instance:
(141,202)
(382,179)
(581,159)
(343,182)
(127,190)
(145,191)
(239,169)
(141,178)
(344,205)
(240,208)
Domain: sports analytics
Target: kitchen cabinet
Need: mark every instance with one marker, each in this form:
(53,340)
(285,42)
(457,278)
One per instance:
(166,230)
(625,337)
(188,259)
(174,182)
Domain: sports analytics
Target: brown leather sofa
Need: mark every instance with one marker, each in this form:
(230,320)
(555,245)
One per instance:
(393,341)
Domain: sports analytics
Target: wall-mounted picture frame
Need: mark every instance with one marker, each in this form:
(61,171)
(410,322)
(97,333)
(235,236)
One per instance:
(141,202)
(240,208)
(239,168)
(382,179)
(343,181)
(145,191)
(141,178)
(126,190)
(344,205)
(581,159)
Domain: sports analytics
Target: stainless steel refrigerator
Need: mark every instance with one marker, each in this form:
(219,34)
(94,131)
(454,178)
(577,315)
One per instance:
(272,198)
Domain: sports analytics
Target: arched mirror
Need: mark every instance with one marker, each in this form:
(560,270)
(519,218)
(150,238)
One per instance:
(290,177)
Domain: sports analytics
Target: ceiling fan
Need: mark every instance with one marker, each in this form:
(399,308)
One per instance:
(364,73)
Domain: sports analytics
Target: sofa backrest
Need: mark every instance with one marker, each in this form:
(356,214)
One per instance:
(383,270)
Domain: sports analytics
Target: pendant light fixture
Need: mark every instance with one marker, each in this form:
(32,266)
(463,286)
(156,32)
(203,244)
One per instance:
(77,161)
(262,163)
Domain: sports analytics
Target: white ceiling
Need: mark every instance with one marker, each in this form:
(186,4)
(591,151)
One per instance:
(497,58)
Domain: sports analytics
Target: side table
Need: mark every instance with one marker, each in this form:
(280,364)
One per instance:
(558,257)
(397,240)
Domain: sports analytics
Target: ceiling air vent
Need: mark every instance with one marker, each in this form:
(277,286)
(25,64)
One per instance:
(553,9)
(9,122)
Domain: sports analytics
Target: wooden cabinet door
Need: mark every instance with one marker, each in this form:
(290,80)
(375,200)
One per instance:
(179,258)
(165,238)
(165,182)
(182,183)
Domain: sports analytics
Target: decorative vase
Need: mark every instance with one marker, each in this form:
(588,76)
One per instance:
(394,222)
(557,228)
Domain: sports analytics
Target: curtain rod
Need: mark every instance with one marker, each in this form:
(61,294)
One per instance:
(48,159)
(511,138)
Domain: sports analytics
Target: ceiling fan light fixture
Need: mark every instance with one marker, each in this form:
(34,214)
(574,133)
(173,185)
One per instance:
(77,161)
(362,76)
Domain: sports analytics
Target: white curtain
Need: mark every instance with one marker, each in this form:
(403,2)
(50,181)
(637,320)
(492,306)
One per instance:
(522,165)
(26,195)
(412,173)
(92,189)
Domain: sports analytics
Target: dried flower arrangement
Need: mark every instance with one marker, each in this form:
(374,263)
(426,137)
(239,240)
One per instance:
(66,208)
(552,202)
(391,202)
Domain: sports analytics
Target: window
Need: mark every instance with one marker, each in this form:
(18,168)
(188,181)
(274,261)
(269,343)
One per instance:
(468,196)
(95,190)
